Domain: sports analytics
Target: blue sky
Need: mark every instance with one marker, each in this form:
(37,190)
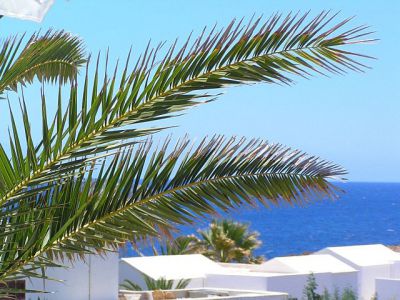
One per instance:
(352,120)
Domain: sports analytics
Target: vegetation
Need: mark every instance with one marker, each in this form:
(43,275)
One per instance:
(92,179)
(229,241)
(154,285)
(184,244)
(52,57)
(310,292)
(223,241)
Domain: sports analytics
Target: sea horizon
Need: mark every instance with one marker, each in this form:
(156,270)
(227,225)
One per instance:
(363,214)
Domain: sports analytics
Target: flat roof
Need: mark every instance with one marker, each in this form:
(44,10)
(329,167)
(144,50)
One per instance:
(174,266)
(364,255)
(232,272)
(314,263)
(215,293)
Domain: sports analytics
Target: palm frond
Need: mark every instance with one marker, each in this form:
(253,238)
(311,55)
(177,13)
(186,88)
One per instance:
(186,244)
(229,241)
(113,109)
(130,285)
(54,56)
(51,204)
(147,192)
(164,284)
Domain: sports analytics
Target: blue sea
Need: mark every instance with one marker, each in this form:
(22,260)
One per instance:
(365,213)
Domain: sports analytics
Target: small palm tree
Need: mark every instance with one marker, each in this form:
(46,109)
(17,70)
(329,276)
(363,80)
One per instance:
(155,284)
(93,180)
(185,244)
(229,241)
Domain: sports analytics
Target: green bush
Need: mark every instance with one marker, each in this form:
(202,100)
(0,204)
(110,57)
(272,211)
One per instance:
(310,292)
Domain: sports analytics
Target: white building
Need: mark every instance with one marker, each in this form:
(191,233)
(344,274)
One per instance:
(285,274)
(378,266)
(170,267)
(367,270)
(96,278)
(206,294)
(288,275)
(387,288)
(330,274)
(204,275)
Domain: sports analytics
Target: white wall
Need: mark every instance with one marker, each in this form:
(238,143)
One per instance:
(342,281)
(366,280)
(236,281)
(395,270)
(96,278)
(263,297)
(126,271)
(294,284)
(104,277)
(387,289)
(194,283)
(368,274)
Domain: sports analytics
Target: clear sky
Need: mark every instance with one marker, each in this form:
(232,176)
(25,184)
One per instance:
(353,120)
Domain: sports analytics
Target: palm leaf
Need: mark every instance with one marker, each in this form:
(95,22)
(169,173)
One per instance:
(130,286)
(147,192)
(53,208)
(54,56)
(185,244)
(112,110)
(229,241)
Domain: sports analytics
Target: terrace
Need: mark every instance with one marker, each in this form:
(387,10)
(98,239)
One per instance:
(201,293)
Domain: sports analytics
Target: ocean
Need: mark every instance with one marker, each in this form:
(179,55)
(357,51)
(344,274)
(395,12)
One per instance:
(365,213)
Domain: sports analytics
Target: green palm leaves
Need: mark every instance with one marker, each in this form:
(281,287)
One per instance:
(93,182)
(229,241)
(223,241)
(145,192)
(54,56)
(155,285)
(184,244)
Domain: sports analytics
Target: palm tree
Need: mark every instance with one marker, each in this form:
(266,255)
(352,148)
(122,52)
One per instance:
(155,284)
(184,244)
(94,180)
(223,241)
(229,241)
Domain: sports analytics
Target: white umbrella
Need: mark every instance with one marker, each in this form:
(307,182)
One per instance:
(33,10)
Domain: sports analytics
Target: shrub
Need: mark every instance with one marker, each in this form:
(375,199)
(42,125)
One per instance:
(310,292)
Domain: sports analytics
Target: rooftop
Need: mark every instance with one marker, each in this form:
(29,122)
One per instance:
(174,266)
(315,263)
(364,255)
(205,293)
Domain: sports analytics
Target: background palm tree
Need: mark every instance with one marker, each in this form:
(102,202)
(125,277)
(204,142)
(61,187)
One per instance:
(229,241)
(223,241)
(93,180)
(155,284)
(184,244)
